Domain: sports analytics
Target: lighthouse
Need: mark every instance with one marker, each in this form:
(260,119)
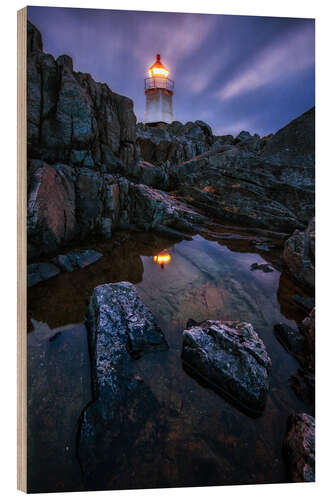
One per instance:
(159,92)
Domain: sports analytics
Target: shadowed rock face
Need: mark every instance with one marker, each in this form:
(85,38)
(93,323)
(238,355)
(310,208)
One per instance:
(251,188)
(120,328)
(231,356)
(299,448)
(295,143)
(72,118)
(299,255)
(174,142)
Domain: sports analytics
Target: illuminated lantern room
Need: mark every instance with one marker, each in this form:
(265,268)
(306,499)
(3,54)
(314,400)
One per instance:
(159,92)
(158,69)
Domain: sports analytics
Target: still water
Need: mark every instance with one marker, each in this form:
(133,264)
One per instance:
(200,438)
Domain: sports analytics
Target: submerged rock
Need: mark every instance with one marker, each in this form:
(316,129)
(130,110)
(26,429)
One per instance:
(120,328)
(299,255)
(77,260)
(299,447)
(307,303)
(292,339)
(231,356)
(41,271)
(266,268)
(58,381)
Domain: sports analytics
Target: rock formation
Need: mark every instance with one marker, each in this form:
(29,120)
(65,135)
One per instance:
(121,329)
(41,271)
(299,255)
(231,356)
(299,447)
(301,343)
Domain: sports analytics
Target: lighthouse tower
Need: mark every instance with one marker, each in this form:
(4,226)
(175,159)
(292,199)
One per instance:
(159,92)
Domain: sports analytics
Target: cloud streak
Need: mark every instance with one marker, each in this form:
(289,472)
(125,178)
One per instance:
(278,61)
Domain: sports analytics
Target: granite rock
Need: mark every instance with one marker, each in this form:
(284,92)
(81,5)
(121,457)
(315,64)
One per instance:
(231,356)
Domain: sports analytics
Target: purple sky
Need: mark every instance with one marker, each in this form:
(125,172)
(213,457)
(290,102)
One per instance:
(234,72)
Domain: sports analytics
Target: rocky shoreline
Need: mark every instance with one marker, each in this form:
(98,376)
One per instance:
(93,171)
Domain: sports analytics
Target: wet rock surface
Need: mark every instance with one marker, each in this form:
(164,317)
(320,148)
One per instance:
(299,447)
(231,356)
(121,329)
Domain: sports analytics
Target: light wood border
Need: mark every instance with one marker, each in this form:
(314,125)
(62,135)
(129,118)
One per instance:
(22,249)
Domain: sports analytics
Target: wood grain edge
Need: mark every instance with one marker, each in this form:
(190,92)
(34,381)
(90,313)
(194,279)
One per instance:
(22,249)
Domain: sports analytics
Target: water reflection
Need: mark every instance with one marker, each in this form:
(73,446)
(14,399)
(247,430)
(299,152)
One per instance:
(196,438)
(162,258)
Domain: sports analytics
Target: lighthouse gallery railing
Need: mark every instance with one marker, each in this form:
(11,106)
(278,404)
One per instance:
(158,83)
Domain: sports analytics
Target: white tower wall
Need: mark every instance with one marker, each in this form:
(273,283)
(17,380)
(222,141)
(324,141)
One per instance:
(158,106)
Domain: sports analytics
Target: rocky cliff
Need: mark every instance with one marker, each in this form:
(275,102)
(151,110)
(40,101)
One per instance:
(92,170)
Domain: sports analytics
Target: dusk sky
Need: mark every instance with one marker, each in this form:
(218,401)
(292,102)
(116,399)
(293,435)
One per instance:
(233,72)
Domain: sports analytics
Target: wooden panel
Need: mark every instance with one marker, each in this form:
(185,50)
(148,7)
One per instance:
(22,249)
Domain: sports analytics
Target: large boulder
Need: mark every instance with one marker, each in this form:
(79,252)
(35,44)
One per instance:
(121,329)
(230,356)
(51,211)
(299,255)
(299,447)
(118,321)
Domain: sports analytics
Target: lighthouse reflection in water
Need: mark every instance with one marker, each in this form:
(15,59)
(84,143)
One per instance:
(162,258)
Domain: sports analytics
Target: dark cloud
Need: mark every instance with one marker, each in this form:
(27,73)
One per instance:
(235,72)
